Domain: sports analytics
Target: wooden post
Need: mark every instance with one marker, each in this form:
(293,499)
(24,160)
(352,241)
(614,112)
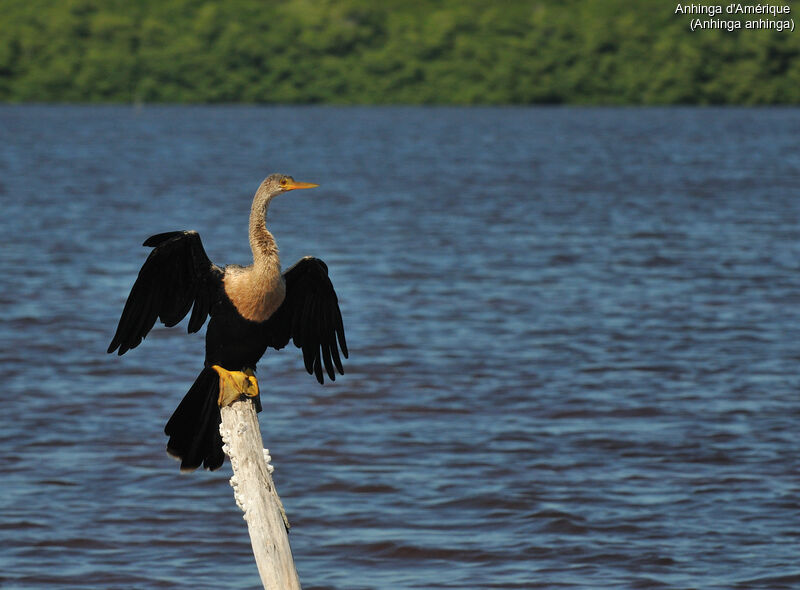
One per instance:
(255,494)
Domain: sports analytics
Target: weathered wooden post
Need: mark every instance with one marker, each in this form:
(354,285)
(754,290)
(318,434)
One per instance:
(255,494)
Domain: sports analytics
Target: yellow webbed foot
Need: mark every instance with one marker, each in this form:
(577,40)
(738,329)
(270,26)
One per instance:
(234,384)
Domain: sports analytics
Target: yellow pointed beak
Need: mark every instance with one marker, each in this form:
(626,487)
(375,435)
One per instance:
(292,185)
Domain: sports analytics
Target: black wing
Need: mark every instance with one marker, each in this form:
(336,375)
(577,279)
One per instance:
(310,316)
(175,277)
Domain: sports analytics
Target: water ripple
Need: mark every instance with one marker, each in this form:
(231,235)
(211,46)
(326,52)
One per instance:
(574,361)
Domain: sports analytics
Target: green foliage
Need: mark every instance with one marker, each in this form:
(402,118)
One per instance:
(366,52)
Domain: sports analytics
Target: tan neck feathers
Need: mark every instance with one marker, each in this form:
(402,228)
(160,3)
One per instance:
(258,290)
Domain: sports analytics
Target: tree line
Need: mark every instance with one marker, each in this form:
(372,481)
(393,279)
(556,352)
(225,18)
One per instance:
(606,52)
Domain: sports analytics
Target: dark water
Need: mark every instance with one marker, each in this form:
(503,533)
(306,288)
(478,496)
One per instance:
(573,332)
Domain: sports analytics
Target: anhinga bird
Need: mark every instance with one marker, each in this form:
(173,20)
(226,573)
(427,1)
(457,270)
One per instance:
(251,308)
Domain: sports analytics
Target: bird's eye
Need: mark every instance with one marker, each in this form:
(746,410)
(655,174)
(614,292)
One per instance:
(283,182)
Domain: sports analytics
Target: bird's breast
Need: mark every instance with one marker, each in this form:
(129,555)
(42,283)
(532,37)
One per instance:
(255,295)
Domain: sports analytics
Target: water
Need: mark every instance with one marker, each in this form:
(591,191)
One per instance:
(573,333)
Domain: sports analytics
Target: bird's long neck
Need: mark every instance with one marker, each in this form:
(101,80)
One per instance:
(262,242)
(258,290)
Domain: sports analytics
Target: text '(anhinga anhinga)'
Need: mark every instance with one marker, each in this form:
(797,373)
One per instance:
(251,307)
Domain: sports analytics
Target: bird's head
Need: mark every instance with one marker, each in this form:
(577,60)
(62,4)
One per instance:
(275,184)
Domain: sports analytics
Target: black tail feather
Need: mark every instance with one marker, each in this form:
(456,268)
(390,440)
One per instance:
(193,429)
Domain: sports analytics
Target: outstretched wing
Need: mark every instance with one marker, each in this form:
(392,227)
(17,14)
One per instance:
(310,317)
(175,277)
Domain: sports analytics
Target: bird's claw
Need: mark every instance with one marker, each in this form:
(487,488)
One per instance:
(234,384)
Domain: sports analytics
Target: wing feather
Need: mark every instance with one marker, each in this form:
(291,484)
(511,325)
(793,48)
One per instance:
(310,317)
(325,344)
(176,277)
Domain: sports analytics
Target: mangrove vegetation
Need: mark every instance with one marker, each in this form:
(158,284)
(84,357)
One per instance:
(389,52)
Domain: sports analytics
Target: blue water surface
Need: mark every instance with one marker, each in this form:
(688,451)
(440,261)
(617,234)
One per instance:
(573,333)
